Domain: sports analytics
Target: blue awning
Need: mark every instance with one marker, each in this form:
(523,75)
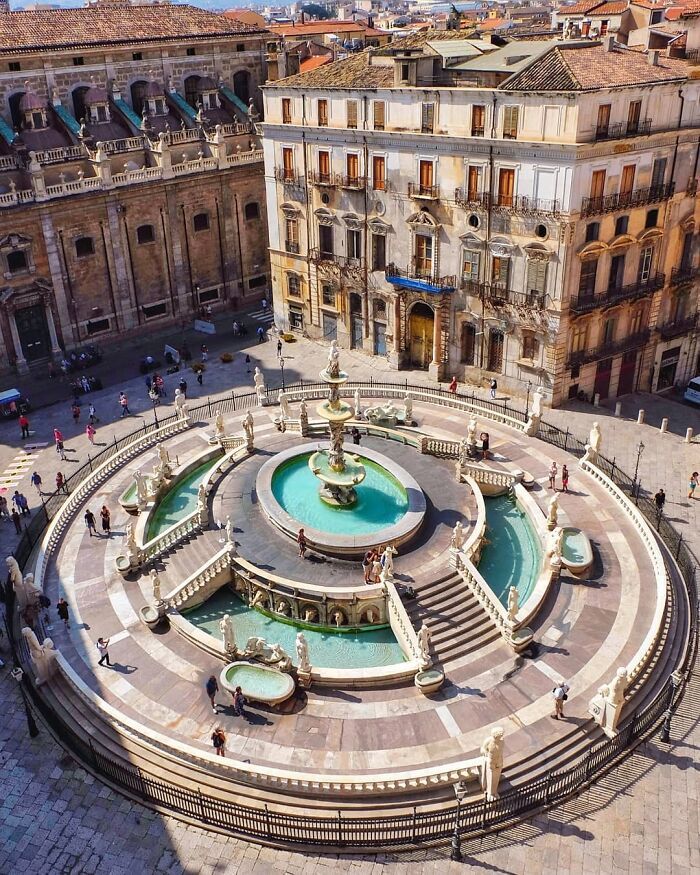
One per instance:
(418,285)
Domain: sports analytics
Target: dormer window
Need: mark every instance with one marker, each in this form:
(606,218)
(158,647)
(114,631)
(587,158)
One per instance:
(37,120)
(159,107)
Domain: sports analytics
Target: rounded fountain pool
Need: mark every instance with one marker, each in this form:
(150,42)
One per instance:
(389,506)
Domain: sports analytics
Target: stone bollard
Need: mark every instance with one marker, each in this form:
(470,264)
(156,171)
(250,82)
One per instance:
(688,435)
(618,409)
(596,399)
(640,417)
(664,425)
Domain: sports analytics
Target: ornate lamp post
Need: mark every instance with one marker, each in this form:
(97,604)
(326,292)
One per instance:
(18,675)
(456,843)
(640,450)
(676,681)
(282,370)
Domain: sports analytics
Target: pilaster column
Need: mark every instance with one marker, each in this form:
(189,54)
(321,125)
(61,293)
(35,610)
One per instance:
(20,361)
(395,352)
(435,367)
(55,348)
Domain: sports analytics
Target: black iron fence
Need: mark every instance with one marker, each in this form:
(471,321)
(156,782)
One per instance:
(418,827)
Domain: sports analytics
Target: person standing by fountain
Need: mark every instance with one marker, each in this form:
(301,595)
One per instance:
(367,562)
(106,520)
(301,541)
(212,688)
(218,739)
(239,703)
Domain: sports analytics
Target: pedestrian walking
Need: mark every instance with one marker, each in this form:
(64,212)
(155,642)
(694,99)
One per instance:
(564,478)
(24,425)
(261,334)
(90,522)
(62,608)
(200,376)
(20,503)
(204,350)
(212,689)
(61,483)
(264,303)
(453,385)
(218,739)
(552,475)
(105,517)
(75,410)
(102,645)
(239,703)
(17,521)
(247,364)
(494,387)
(367,562)
(485,444)
(301,541)
(124,404)
(660,500)
(692,484)
(90,432)
(36,481)
(92,415)
(279,349)
(355,432)
(560,694)
(4,510)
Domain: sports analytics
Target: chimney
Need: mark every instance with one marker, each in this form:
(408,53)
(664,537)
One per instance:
(653,58)
(609,43)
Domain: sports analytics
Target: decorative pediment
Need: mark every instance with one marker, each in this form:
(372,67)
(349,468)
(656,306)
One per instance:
(15,241)
(471,240)
(650,235)
(537,252)
(622,242)
(354,222)
(376,226)
(324,217)
(423,219)
(502,248)
(592,250)
(290,211)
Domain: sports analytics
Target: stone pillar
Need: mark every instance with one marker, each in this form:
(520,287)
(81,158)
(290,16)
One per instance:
(20,361)
(166,161)
(55,348)
(36,173)
(103,166)
(59,288)
(395,353)
(435,368)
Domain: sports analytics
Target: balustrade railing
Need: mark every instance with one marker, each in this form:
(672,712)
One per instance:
(61,153)
(202,579)
(677,327)
(591,206)
(616,294)
(615,347)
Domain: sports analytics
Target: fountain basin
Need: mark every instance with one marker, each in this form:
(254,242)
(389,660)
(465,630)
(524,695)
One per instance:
(576,551)
(259,683)
(390,505)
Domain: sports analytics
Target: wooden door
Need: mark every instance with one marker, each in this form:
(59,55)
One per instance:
(506,187)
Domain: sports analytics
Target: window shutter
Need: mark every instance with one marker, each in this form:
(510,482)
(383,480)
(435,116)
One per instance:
(352,113)
(536,275)
(379,115)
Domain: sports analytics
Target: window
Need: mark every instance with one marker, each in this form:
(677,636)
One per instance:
(208,295)
(680,307)
(17,261)
(79,61)
(37,120)
(404,72)
(531,347)
(609,327)
(495,362)
(499,270)
(587,278)
(354,244)
(150,311)
(84,246)
(378,251)
(658,173)
(592,231)
(646,259)
(324,166)
(328,295)
(323,113)
(427,119)
(652,219)
(426,176)
(633,114)
(467,344)
(96,326)
(325,240)
(351,110)
(14,66)
(291,235)
(296,319)
(506,187)
(621,225)
(286,111)
(191,51)
(240,47)
(257,281)
(616,278)
(378,173)
(478,119)
(145,234)
(603,122)
(251,211)
(597,185)
(536,279)
(424,255)
(200,222)
(687,251)
(579,338)
(352,168)
(471,260)
(378,114)
(637,320)
(288,162)
(380,309)
(627,179)
(510,122)
(293,285)
(473,183)
(137,56)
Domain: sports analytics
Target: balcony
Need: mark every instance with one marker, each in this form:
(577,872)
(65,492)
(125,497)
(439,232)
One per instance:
(502,203)
(677,328)
(607,350)
(325,180)
(681,276)
(287,176)
(477,130)
(471,200)
(622,130)
(424,192)
(592,206)
(343,262)
(499,295)
(610,297)
(291,247)
(354,183)
(418,280)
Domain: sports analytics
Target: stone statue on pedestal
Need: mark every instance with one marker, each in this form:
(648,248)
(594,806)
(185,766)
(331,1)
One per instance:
(333,366)
(513,604)
(535,414)
(424,637)
(259,381)
(280,658)
(163,461)
(141,487)
(155,585)
(219,424)
(248,428)
(595,440)
(388,561)
(552,512)
(358,406)
(492,765)
(43,656)
(227,634)
(553,551)
(283,400)
(303,653)
(408,409)
(303,417)
(229,530)
(457,539)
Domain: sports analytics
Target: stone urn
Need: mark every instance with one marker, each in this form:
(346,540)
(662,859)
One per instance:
(429,680)
(151,615)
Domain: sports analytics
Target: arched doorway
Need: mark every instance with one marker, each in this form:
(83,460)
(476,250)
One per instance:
(191,90)
(138,92)
(355,321)
(17,117)
(241,86)
(420,330)
(79,102)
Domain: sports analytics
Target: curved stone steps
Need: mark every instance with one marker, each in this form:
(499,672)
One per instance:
(187,558)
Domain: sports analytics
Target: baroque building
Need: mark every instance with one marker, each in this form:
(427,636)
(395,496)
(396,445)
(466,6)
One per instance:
(523,211)
(131,176)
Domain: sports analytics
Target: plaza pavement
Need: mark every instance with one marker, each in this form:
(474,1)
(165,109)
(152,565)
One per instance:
(643,818)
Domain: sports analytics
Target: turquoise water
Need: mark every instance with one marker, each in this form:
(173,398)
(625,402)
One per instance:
(326,649)
(513,556)
(573,545)
(381,499)
(256,680)
(180,501)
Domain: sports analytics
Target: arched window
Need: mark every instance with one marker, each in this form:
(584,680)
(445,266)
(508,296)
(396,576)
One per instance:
(138,95)
(145,234)
(84,246)
(252,211)
(79,102)
(241,86)
(200,222)
(17,115)
(191,90)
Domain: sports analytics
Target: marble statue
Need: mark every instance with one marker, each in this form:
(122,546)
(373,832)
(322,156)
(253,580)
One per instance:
(184,412)
(535,414)
(303,417)
(303,653)
(471,432)
(132,551)
(44,656)
(280,657)
(229,530)
(492,766)
(408,408)
(227,634)
(513,604)
(606,705)
(457,539)
(15,576)
(179,401)
(463,453)
(358,406)
(254,647)
(595,439)
(259,381)
(553,550)
(283,400)
(283,608)
(376,572)
(424,637)
(155,585)
(333,366)
(616,694)
(219,424)
(141,487)
(202,501)
(248,423)
(553,511)
(164,461)
(388,560)
(382,414)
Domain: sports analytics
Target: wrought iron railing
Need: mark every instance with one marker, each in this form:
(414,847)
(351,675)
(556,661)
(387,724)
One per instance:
(507,203)
(328,180)
(471,200)
(425,192)
(499,295)
(354,183)
(617,294)
(429,277)
(638,197)
(682,275)
(620,130)
(288,176)
(677,327)
(605,350)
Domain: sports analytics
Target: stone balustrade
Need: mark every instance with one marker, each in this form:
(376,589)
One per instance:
(243,157)
(61,153)
(400,622)
(8,162)
(75,186)
(204,582)
(142,174)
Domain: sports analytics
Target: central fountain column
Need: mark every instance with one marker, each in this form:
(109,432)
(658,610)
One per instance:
(339,473)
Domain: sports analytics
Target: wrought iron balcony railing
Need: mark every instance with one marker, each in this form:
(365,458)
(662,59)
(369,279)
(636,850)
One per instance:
(621,130)
(327,180)
(471,200)
(499,295)
(342,261)
(291,247)
(424,192)
(288,176)
(677,327)
(638,197)
(616,295)
(354,183)
(430,280)
(607,350)
(682,275)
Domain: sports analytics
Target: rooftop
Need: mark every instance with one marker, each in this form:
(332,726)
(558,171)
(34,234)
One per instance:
(353,72)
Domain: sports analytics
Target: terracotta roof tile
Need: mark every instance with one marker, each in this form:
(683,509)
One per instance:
(583,7)
(112,25)
(352,72)
(314,63)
